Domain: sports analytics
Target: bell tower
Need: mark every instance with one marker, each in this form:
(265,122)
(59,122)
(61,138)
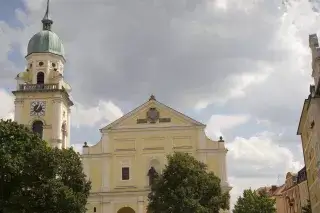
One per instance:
(42,99)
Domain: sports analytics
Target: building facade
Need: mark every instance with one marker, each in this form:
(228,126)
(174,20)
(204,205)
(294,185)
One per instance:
(42,96)
(309,131)
(292,195)
(295,193)
(119,164)
(280,200)
(303,187)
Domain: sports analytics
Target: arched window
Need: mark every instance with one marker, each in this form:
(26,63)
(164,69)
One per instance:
(40,78)
(37,127)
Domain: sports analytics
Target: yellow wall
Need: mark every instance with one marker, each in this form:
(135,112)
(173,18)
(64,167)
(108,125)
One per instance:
(50,114)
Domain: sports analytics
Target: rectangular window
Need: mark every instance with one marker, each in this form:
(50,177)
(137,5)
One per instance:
(125,173)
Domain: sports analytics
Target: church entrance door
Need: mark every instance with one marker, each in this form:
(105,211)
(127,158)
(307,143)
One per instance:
(126,210)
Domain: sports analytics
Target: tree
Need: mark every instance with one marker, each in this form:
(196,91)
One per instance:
(37,178)
(186,186)
(253,202)
(307,208)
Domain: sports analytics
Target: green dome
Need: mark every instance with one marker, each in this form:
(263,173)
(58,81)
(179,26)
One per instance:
(46,41)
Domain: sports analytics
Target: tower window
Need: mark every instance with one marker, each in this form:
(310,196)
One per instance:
(125,173)
(41,63)
(94,209)
(37,127)
(40,78)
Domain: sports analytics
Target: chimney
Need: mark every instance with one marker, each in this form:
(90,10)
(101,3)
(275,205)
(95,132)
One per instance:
(273,188)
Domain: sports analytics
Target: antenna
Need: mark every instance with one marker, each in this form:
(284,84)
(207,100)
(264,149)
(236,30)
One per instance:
(278,180)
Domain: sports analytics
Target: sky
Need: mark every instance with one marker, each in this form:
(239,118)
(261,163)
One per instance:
(243,67)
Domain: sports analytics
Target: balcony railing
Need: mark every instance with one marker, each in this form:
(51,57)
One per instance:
(38,87)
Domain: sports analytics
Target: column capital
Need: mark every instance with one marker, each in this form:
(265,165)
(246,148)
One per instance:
(19,101)
(56,100)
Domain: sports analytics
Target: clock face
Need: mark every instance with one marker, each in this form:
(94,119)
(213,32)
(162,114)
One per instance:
(38,108)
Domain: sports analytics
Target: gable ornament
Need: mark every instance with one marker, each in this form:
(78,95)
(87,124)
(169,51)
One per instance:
(153,115)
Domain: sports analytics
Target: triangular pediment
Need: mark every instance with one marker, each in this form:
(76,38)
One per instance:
(155,114)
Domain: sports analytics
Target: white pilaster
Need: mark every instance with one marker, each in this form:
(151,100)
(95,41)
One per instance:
(140,204)
(106,174)
(202,144)
(223,168)
(201,139)
(68,127)
(105,143)
(107,207)
(86,168)
(18,106)
(57,121)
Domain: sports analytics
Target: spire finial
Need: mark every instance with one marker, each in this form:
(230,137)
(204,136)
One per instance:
(46,21)
(152,98)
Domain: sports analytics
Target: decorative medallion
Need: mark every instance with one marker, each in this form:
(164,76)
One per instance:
(153,115)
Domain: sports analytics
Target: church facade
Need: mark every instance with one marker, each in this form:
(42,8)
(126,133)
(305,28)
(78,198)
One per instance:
(119,165)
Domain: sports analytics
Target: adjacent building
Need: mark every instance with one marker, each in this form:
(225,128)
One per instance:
(309,131)
(135,146)
(292,195)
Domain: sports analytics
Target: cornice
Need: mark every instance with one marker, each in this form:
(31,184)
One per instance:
(150,127)
(63,92)
(224,150)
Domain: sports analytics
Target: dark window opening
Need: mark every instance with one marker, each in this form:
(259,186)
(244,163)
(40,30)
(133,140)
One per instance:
(125,173)
(94,209)
(40,78)
(37,127)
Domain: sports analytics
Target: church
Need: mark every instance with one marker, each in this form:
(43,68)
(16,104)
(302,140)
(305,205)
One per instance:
(131,149)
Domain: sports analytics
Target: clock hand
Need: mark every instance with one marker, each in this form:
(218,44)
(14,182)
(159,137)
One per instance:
(38,107)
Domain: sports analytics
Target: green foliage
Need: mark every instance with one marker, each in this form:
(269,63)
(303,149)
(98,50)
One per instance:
(253,202)
(307,208)
(37,178)
(186,186)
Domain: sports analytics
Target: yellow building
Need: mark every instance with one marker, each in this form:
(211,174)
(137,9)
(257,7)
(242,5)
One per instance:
(295,193)
(292,195)
(309,131)
(118,164)
(280,200)
(41,96)
(303,187)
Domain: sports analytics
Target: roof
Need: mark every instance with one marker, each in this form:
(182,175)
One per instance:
(46,41)
(303,114)
(302,175)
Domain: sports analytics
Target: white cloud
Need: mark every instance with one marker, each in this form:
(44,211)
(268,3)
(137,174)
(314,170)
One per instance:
(102,114)
(261,150)
(218,123)
(258,161)
(7,105)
